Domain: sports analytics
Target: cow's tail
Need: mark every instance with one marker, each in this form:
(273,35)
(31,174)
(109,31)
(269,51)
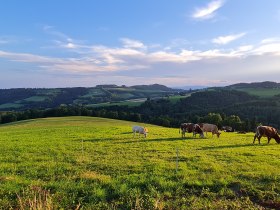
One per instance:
(179,130)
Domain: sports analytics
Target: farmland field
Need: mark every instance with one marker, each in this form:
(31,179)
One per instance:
(261,92)
(95,163)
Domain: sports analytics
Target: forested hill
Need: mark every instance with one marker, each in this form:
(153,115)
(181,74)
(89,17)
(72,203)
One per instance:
(242,107)
(266,84)
(29,98)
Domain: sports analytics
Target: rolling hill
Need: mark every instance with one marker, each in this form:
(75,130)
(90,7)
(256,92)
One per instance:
(95,163)
(262,89)
(22,99)
(107,95)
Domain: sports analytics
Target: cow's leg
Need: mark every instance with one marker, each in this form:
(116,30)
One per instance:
(268,139)
(183,134)
(255,138)
(259,138)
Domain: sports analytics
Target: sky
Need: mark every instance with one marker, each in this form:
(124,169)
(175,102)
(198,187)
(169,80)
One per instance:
(83,43)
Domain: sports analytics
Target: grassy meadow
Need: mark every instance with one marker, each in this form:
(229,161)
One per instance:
(261,92)
(95,163)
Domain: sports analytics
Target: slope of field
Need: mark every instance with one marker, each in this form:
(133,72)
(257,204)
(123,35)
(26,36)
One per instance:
(95,163)
(261,89)
(27,98)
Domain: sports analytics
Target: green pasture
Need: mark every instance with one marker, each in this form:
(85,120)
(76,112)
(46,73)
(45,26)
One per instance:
(36,98)
(262,92)
(95,163)
(10,106)
(121,103)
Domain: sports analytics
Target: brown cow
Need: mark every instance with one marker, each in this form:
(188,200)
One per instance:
(266,131)
(186,127)
(197,130)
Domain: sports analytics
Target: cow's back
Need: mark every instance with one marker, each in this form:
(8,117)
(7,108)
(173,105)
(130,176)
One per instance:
(187,127)
(209,127)
(267,131)
(137,128)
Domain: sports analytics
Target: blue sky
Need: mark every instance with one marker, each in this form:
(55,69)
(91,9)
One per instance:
(70,43)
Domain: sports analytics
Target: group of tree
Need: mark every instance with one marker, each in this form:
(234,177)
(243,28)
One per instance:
(223,108)
(163,120)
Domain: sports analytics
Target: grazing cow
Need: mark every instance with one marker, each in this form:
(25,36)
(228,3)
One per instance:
(197,130)
(186,127)
(266,131)
(227,129)
(210,128)
(140,130)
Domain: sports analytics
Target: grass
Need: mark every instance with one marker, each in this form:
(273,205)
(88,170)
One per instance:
(262,92)
(121,103)
(177,98)
(10,106)
(95,163)
(36,98)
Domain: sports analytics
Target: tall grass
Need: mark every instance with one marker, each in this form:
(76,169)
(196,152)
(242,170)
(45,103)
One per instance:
(95,163)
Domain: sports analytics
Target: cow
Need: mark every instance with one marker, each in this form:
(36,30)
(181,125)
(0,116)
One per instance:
(266,131)
(140,130)
(210,128)
(197,130)
(186,127)
(227,129)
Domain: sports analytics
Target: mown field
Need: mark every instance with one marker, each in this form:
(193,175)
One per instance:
(261,92)
(95,163)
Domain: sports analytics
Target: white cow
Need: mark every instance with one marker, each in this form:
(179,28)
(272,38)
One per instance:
(210,128)
(140,130)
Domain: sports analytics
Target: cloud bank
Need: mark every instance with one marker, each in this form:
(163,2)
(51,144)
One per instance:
(133,62)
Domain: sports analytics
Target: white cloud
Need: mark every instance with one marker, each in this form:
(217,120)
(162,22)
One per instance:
(130,43)
(227,39)
(208,11)
(270,40)
(158,64)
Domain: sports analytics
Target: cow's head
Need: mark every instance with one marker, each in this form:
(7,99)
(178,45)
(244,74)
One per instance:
(201,135)
(145,132)
(218,134)
(277,139)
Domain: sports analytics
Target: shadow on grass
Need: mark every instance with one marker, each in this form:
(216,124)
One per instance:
(147,140)
(136,140)
(232,146)
(96,140)
(17,122)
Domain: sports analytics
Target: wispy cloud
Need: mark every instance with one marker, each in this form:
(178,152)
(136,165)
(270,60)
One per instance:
(133,58)
(7,39)
(227,39)
(208,11)
(130,43)
(62,40)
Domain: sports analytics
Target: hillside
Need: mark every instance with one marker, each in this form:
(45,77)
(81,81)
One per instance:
(78,163)
(21,99)
(261,89)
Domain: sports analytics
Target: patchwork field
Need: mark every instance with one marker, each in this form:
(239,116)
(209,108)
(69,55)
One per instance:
(95,163)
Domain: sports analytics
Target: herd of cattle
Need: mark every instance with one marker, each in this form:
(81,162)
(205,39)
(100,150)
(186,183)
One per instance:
(200,128)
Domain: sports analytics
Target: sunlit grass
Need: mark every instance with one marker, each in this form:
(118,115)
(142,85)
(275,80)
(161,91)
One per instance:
(95,163)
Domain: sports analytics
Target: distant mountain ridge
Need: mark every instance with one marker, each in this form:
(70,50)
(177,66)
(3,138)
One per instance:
(26,98)
(266,84)
(107,94)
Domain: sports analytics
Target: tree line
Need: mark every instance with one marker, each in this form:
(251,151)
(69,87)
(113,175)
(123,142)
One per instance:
(163,120)
(232,108)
